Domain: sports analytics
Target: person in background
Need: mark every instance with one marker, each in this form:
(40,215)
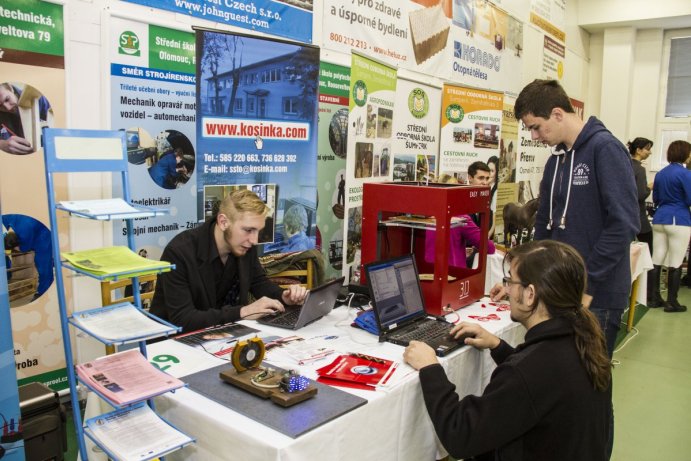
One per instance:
(672,220)
(587,197)
(493,164)
(639,149)
(478,175)
(294,225)
(164,172)
(549,398)
(217,268)
(464,244)
(12,137)
(31,235)
(464,241)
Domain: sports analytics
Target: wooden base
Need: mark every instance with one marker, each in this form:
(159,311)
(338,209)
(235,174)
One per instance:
(244,381)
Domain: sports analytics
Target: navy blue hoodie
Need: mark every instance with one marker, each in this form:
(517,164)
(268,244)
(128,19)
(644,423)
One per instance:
(601,218)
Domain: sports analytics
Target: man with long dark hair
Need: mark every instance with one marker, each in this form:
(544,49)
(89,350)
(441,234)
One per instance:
(550,397)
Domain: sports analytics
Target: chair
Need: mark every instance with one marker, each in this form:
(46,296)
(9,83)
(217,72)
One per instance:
(303,267)
(303,276)
(147,285)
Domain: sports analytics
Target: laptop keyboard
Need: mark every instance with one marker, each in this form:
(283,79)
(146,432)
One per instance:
(426,332)
(288,318)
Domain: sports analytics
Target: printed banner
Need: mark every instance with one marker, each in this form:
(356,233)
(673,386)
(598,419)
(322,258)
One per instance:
(32,88)
(152,89)
(416,132)
(334,87)
(372,95)
(12,442)
(530,163)
(507,190)
(471,122)
(285,18)
(461,40)
(256,119)
(406,34)
(553,56)
(550,16)
(487,47)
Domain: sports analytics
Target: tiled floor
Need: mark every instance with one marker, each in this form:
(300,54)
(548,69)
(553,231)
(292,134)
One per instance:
(652,389)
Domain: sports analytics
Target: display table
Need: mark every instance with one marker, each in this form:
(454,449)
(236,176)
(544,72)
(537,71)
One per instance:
(392,425)
(641,263)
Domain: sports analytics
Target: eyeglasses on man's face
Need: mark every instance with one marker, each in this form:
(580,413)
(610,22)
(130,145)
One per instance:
(507,282)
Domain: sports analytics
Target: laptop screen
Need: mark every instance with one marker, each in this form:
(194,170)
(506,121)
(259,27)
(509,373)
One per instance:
(395,290)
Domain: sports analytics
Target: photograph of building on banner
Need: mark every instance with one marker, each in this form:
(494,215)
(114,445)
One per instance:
(257,122)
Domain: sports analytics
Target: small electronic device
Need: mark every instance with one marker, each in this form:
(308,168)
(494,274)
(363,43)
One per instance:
(399,308)
(248,354)
(319,302)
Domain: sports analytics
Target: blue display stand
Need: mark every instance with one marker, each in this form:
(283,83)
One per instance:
(11,439)
(95,151)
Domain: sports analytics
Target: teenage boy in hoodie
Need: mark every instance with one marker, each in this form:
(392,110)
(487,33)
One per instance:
(588,196)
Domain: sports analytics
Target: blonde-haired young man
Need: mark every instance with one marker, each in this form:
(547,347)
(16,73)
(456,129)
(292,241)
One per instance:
(217,267)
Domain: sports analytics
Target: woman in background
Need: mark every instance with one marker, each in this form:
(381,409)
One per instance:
(639,149)
(672,220)
(493,163)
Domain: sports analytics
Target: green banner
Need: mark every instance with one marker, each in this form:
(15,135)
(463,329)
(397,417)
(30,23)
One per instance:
(334,80)
(32,26)
(171,49)
(56,380)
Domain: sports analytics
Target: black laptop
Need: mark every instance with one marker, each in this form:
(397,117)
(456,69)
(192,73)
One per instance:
(399,307)
(319,302)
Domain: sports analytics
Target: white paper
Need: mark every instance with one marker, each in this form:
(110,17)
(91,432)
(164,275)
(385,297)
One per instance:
(105,209)
(126,377)
(136,434)
(119,323)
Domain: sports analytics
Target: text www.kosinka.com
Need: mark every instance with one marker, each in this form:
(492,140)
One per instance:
(223,128)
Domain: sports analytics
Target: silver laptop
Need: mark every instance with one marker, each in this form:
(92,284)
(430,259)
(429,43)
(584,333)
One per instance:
(319,302)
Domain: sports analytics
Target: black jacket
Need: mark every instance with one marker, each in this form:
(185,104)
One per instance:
(186,296)
(643,192)
(539,404)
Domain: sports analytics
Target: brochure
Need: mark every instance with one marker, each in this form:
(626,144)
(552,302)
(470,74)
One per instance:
(122,322)
(113,260)
(217,339)
(357,370)
(135,433)
(125,378)
(107,209)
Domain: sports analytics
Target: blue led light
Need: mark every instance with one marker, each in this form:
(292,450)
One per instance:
(296,383)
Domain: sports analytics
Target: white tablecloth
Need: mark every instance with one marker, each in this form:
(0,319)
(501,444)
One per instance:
(641,263)
(393,424)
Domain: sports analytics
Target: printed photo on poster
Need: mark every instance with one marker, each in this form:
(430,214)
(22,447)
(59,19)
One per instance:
(172,163)
(24,112)
(28,258)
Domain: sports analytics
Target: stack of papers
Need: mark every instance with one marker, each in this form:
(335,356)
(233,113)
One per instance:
(120,323)
(107,209)
(125,378)
(136,433)
(102,262)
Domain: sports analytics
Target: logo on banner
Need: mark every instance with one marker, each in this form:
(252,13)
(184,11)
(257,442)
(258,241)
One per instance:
(418,103)
(129,44)
(454,113)
(360,93)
